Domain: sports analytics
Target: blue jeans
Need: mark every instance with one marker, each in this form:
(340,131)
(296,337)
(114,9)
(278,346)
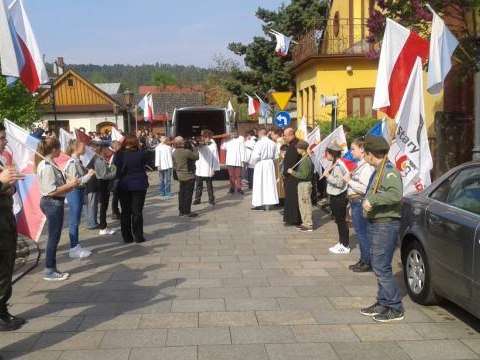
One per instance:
(75,205)
(383,241)
(165,186)
(360,225)
(53,208)
(92,210)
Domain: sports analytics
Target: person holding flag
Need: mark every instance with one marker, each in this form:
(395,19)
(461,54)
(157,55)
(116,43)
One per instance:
(8,238)
(382,208)
(357,182)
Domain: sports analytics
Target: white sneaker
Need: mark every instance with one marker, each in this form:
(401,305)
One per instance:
(79,252)
(106,231)
(341,250)
(334,247)
(56,275)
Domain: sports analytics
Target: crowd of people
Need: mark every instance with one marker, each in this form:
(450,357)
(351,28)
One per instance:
(275,165)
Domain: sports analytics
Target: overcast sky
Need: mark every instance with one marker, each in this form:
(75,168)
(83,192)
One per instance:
(187,32)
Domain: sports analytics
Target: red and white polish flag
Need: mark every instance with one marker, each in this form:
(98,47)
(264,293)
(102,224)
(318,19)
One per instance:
(400,49)
(253,106)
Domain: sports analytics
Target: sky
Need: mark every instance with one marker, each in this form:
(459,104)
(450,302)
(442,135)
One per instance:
(185,32)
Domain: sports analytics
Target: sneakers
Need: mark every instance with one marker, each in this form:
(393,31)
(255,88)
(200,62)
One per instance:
(388,315)
(339,249)
(304,229)
(241,192)
(362,268)
(106,231)
(55,275)
(373,310)
(78,252)
(7,324)
(231,191)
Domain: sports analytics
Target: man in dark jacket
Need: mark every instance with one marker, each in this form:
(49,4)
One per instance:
(8,238)
(291,215)
(184,166)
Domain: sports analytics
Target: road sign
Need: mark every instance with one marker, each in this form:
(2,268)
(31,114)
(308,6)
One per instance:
(282,98)
(282,119)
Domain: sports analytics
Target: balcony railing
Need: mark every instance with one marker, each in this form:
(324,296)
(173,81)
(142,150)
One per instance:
(336,37)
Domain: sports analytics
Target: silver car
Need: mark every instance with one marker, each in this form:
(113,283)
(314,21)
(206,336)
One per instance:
(440,240)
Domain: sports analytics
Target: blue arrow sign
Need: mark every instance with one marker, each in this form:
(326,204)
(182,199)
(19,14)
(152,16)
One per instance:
(282,119)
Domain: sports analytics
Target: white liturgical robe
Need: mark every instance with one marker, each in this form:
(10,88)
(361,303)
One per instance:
(235,151)
(163,157)
(264,180)
(208,161)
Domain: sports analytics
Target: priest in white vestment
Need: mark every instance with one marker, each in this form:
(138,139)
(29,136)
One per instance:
(235,148)
(205,167)
(264,154)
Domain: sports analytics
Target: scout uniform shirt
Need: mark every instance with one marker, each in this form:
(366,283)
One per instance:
(49,177)
(386,202)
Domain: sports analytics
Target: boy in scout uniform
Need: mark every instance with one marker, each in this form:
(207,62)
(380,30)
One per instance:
(382,209)
(8,238)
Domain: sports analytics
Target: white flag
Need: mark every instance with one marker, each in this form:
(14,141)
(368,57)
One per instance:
(442,46)
(411,151)
(283,43)
(338,135)
(117,135)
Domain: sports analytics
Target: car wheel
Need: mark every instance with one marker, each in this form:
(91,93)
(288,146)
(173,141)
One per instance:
(417,275)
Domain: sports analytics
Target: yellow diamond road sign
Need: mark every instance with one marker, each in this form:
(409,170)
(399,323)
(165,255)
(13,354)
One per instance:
(282,98)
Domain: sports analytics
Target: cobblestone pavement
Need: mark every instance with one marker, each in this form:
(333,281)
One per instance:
(229,284)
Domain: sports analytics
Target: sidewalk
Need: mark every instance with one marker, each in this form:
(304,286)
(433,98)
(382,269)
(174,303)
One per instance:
(229,284)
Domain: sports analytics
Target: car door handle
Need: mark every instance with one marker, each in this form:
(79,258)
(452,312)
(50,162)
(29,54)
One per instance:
(433,219)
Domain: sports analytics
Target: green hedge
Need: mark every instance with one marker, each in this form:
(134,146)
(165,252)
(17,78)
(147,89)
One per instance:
(358,126)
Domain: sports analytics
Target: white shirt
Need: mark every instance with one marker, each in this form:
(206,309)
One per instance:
(163,157)
(249,145)
(264,179)
(235,151)
(360,178)
(208,161)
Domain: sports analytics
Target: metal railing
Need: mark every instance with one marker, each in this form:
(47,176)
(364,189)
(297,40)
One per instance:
(335,37)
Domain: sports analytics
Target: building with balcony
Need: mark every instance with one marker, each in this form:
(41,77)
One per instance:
(334,58)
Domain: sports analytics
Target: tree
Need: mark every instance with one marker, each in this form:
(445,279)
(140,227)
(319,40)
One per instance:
(17,104)
(414,15)
(264,68)
(162,77)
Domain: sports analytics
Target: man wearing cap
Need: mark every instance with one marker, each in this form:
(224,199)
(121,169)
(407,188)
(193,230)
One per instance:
(304,175)
(184,165)
(264,153)
(382,208)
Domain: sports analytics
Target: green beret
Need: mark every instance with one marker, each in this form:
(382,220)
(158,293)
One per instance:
(302,145)
(376,144)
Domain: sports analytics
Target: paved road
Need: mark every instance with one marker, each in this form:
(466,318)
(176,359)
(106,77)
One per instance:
(230,284)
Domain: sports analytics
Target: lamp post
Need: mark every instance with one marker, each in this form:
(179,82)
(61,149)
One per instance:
(116,109)
(473,27)
(54,104)
(128,98)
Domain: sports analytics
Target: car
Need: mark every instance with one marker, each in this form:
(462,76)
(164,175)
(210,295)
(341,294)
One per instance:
(439,240)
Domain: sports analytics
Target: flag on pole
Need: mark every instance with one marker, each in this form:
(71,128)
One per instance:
(410,151)
(283,43)
(33,73)
(264,108)
(146,104)
(400,49)
(442,46)
(11,55)
(381,129)
(230,109)
(338,135)
(253,106)
(117,135)
(313,139)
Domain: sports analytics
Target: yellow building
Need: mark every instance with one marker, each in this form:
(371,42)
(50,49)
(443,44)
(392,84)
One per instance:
(331,60)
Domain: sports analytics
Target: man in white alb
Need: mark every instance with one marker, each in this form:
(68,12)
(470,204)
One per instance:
(205,167)
(235,148)
(264,153)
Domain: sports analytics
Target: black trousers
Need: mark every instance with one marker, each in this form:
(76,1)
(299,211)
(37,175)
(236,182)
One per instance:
(131,219)
(103,199)
(115,209)
(185,196)
(199,189)
(8,248)
(250,177)
(338,205)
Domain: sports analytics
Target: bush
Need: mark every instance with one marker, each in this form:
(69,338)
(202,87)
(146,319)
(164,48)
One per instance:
(358,126)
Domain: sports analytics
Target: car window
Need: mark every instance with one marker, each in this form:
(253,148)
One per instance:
(465,190)
(441,192)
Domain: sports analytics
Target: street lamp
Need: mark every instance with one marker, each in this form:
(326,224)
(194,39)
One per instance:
(128,98)
(472,20)
(116,109)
